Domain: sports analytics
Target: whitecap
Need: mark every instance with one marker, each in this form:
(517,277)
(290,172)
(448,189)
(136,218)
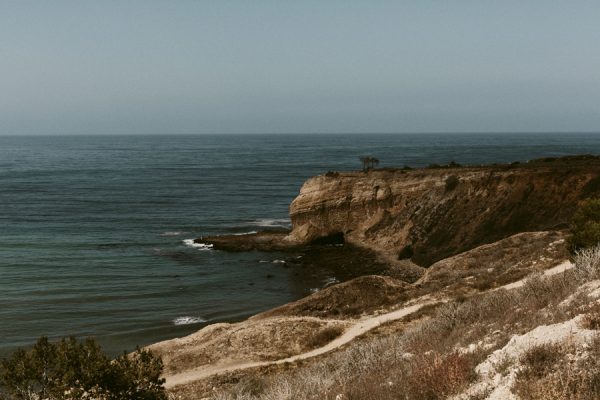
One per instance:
(270,223)
(245,233)
(187,320)
(199,246)
(171,233)
(278,261)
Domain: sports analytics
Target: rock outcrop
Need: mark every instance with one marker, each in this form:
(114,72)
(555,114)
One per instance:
(430,214)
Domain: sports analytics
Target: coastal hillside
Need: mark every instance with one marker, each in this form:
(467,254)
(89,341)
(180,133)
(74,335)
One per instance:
(460,332)
(498,307)
(433,213)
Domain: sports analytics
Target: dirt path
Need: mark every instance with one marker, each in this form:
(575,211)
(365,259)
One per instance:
(360,327)
(562,267)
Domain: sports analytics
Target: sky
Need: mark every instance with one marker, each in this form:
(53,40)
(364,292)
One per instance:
(157,67)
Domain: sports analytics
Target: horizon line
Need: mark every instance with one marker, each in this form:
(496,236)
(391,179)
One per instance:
(301,133)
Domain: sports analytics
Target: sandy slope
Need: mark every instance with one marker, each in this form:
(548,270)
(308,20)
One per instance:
(357,329)
(360,327)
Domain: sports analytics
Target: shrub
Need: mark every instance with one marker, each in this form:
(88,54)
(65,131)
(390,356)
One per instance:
(325,336)
(587,263)
(540,360)
(69,370)
(591,320)
(585,227)
(451,183)
(436,376)
(406,252)
(561,377)
(592,187)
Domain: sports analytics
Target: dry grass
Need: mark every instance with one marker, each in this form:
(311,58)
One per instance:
(554,372)
(591,320)
(496,264)
(427,359)
(588,264)
(348,299)
(324,336)
(539,360)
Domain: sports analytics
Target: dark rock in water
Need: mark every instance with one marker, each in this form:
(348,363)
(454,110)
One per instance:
(263,241)
(347,261)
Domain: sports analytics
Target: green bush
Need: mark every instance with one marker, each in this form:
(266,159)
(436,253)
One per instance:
(69,370)
(585,228)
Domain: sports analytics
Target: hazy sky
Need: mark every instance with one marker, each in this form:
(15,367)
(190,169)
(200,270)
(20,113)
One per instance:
(298,66)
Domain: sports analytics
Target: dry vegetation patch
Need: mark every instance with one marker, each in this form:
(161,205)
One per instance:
(591,319)
(499,263)
(439,354)
(347,300)
(263,340)
(560,372)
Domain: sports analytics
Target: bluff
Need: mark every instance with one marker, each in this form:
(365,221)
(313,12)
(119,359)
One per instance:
(433,213)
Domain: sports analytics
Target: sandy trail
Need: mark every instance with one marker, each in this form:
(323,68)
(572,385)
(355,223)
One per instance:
(359,328)
(562,267)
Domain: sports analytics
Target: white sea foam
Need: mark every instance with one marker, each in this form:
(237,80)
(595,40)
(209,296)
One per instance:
(270,223)
(171,233)
(245,233)
(330,281)
(199,246)
(278,261)
(187,320)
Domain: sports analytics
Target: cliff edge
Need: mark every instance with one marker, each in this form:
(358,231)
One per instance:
(433,213)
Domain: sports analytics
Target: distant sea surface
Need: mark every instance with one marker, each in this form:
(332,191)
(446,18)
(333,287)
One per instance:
(93,229)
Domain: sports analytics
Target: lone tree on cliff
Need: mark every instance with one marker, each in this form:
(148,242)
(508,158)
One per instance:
(369,162)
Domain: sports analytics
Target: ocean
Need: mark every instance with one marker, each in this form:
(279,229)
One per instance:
(95,230)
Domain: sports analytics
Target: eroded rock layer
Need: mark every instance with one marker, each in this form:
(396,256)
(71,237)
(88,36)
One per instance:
(430,214)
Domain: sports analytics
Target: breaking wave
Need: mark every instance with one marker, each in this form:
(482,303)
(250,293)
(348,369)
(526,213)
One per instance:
(270,223)
(199,246)
(187,320)
(171,233)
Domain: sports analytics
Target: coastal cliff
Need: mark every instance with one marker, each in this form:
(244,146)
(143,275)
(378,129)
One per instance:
(430,214)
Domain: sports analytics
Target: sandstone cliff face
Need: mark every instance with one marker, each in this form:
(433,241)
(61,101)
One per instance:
(430,214)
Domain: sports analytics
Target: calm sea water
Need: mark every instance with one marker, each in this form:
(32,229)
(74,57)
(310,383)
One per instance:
(92,228)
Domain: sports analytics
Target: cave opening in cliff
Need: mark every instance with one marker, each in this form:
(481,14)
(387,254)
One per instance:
(334,238)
